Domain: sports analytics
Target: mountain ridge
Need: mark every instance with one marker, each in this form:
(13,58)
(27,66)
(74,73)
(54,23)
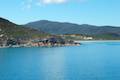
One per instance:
(71,28)
(42,28)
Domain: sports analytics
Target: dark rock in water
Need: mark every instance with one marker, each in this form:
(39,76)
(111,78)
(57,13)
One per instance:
(11,42)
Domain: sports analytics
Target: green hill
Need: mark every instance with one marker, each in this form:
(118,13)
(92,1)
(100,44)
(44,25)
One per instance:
(58,28)
(12,30)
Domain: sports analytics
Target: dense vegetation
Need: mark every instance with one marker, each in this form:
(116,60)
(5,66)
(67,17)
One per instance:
(12,30)
(98,32)
(44,28)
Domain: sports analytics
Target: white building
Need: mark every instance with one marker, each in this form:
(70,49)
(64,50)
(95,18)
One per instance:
(88,38)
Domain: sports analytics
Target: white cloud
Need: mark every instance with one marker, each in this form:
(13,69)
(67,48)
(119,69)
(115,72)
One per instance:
(28,4)
(45,2)
(53,1)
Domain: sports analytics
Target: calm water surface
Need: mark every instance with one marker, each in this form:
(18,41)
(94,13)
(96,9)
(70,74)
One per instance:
(90,61)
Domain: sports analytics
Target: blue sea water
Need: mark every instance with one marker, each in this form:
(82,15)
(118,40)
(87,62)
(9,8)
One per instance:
(89,61)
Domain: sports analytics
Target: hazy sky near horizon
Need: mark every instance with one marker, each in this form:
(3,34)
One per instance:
(95,12)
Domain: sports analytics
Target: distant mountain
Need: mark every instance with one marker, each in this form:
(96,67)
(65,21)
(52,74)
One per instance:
(70,28)
(12,30)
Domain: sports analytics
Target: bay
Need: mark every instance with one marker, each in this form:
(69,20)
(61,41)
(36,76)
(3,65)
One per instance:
(89,61)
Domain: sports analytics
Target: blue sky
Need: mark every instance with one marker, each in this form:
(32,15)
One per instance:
(95,12)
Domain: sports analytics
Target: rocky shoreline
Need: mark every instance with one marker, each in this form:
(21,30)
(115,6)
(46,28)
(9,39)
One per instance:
(47,42)
(18,46)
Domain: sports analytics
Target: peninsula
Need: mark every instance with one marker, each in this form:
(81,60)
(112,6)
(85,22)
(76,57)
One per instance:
(13,35)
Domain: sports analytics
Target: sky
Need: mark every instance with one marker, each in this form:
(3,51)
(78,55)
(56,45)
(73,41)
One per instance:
(94,12)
